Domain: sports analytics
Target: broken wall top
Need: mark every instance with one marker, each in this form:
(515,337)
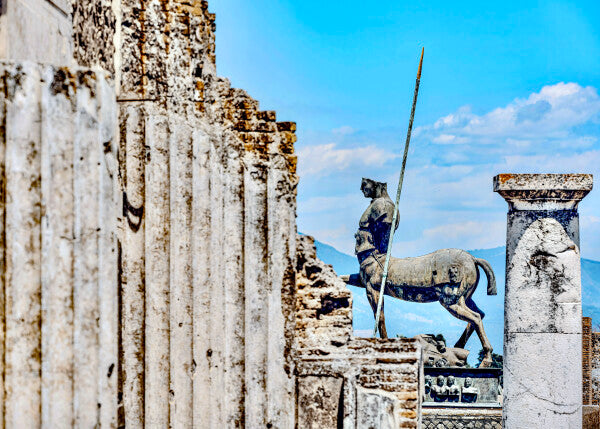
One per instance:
(163,51)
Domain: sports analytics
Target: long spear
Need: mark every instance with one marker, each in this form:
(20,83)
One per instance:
(398,192)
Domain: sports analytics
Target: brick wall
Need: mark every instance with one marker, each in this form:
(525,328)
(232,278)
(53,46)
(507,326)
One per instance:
(586,345)
(596,368)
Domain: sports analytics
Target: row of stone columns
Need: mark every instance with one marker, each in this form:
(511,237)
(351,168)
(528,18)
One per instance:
(58,306)
(188,316)
(151,266)
(207,238)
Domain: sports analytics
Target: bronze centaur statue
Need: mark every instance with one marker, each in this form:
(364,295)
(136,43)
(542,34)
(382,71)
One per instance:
(449,276)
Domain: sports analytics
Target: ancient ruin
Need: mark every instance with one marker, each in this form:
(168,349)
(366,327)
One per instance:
(149,316)
(151,272)
(367,382)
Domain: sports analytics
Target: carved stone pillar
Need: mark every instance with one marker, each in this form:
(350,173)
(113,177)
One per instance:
(542,317)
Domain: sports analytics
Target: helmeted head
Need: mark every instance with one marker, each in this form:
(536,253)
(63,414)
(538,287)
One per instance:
(441,380)
(468,382)
(373,189)
(450,380)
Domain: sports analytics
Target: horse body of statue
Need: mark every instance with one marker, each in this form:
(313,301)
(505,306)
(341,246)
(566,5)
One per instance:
(449,276)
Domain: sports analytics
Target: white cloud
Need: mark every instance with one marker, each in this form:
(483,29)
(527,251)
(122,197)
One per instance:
(416,318)
(343,130)
(328,158)
(447,199)
(449,139)
(469,234)
(585,162)
(550,113)
(590,219)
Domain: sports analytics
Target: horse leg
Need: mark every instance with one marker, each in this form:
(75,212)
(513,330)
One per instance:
(462,341)
(461,311)
(373,297)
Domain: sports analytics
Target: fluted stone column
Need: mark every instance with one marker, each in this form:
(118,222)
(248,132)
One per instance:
(58,271)
(542,316)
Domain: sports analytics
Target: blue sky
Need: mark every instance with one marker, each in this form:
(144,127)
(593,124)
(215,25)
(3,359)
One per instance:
(506,87)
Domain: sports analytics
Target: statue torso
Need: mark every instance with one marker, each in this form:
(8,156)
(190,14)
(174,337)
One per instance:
(377,219)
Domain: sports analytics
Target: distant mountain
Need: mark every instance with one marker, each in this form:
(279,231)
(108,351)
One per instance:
(409,319)
(342,262)
(590,284)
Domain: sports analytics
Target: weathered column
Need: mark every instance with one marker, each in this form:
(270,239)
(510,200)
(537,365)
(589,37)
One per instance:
(157,242)
(133,260)
(22,359)
(58,219)
(233,267)
(87,154)
(256,280)
(216,327)
(108,294)
(542,317)
(58,272)
(181,276)
(201,239)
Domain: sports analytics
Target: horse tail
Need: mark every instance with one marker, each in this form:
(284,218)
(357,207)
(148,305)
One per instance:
(489,273)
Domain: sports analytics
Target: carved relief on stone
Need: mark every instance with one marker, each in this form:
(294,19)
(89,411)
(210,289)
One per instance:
(439,391)
(469,392)
(435,352)
(453,389)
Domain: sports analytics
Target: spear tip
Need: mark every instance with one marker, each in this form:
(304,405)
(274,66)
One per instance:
(421,63)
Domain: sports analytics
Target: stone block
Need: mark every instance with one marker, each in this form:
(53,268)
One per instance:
(591,417)
(481,418)
(533,385)
(586,364)
(319,402)
(543,191)
(378,409)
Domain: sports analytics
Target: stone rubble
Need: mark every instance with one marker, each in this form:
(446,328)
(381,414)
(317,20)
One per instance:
(366,382)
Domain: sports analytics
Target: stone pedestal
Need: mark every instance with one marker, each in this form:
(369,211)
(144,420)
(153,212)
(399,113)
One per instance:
(542,317)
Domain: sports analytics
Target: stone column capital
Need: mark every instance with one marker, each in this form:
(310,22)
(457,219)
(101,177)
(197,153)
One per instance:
(543,191)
